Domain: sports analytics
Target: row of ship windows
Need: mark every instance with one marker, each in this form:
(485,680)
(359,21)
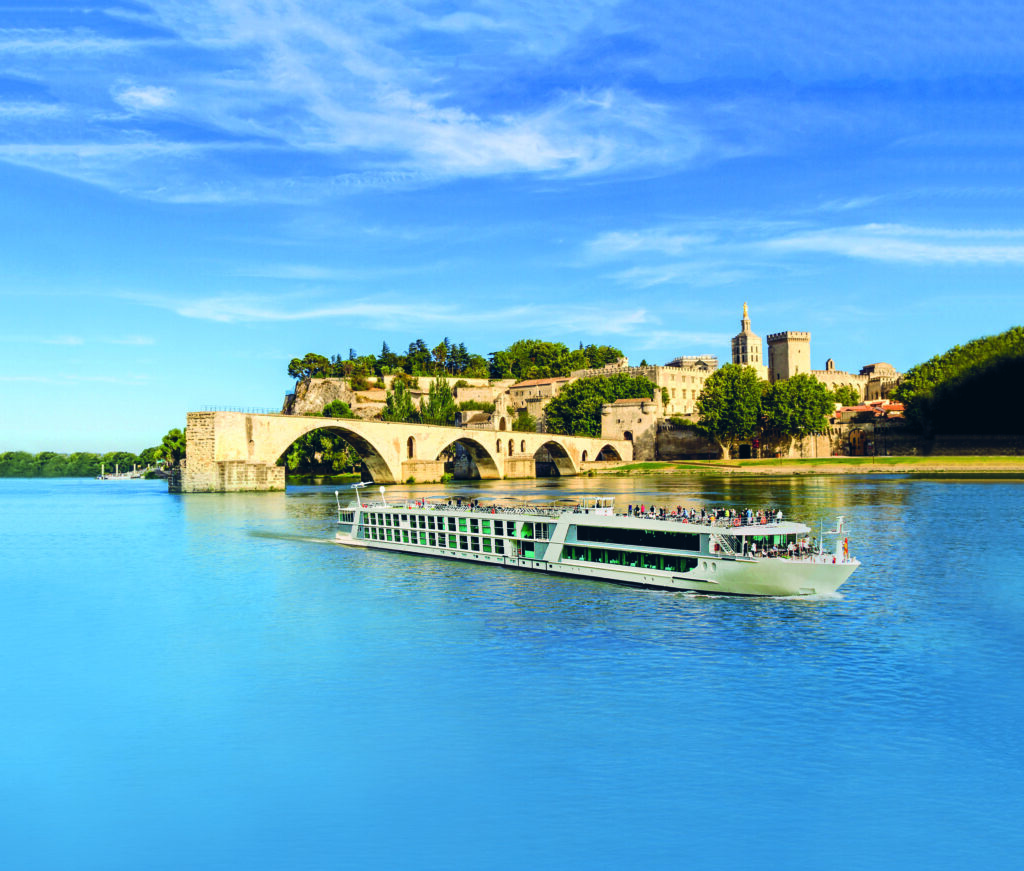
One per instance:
(661,562)
(434,539)
(471,525)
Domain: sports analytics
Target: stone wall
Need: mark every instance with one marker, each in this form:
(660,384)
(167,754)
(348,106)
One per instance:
(977,445)
(682,443)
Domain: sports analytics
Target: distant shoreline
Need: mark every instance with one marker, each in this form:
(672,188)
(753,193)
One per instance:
(936,467)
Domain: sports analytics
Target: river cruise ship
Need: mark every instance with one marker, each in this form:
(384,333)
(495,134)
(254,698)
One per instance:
(750,555)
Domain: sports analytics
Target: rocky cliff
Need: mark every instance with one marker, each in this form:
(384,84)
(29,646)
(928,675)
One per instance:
(310,397)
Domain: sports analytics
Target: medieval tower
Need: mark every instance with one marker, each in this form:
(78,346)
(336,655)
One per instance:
(789,354)
(746,347)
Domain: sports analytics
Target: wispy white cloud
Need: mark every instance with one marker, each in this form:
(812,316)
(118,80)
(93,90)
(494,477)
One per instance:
(308,272)
(56,42)
(897,243)
(45,340)
(667,255)
(136,341)
(27,111)
(658,240)
(697,273)
(76,378)
(141,98)
(75,341)
(590,319)
(311,80)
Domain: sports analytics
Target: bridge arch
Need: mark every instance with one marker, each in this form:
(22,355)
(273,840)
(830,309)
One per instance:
(376,464)
(560,459)
(607,454)
(481,461)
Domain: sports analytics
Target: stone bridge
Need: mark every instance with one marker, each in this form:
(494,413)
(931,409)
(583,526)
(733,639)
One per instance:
(232,451)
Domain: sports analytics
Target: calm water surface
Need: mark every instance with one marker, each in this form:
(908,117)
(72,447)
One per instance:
(200,683)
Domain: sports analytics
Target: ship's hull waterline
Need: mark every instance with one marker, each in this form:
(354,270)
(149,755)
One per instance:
(594,543)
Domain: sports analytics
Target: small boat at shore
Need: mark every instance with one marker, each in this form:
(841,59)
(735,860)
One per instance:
(747,555)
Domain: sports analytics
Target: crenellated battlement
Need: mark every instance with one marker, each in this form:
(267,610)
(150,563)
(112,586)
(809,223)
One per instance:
(789,335)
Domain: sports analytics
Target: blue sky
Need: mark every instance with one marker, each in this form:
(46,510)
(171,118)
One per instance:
(191,194)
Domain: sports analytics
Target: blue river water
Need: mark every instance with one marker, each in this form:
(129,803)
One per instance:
(200,682)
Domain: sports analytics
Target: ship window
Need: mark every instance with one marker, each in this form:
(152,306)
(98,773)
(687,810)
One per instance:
(499,527)
(405,518)
(430,523)
(451,524)
(499,546)
(487,544)
(430,539)
(463,542)
(528,548)
(639,537)
(475,543)
(526,531)
(485,527)
(405,536)
(423,522)
(474,525)
(462,524)
(451,541)
(387,534)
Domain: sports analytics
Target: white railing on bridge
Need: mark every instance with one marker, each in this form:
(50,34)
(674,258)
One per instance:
(242,409)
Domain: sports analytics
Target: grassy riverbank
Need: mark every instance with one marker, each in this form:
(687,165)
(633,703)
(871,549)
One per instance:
(957,467)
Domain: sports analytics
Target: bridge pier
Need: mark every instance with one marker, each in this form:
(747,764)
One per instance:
(226,476)
(423,471)
(520,467)
(205,472)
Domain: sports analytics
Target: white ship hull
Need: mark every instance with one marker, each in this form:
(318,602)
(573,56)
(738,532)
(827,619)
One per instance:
(715,558)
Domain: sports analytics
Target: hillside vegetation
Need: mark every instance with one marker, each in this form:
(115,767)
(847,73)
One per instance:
(969,389)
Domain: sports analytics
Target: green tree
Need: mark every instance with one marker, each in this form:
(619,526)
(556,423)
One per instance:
(337,408)
(150,456)
(577,408)
(398,405)
(17,464)
(440,354)
(418,358)
(795,408)
(534,358)
(321,452)
(525,422)
(730,406)
(310,366)
(173,447)
(845,395)
(439,406)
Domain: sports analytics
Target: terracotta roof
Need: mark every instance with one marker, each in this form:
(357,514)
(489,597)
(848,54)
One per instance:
(537,381)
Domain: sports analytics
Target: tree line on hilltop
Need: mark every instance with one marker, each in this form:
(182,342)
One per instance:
(524,359)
